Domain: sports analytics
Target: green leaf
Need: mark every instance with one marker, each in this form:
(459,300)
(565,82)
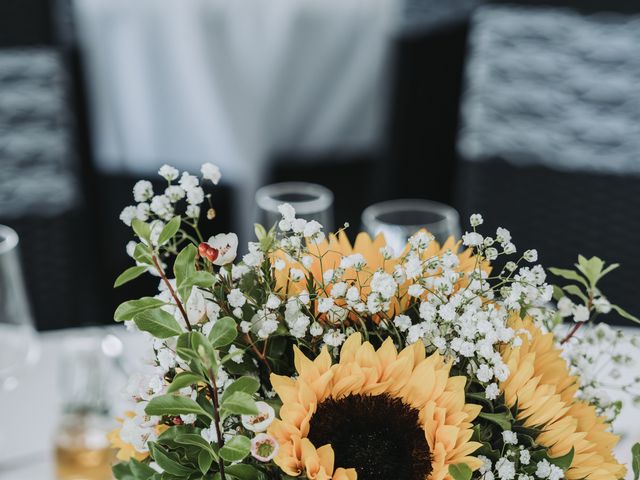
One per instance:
(500,419)
(569,275)
(624,314)
(122,471)
(194,439)
(198,278)
(129,274)
(169,230)
(591,268)
(158,323)
(205,459)
(174,405)
(564,462)
(609,269)
(142,254)
(141,470)
(184,266)
(182,380)
(575,290)
(167,461)
(260,231)
(243,471)
(557,293)
(236,449)
(635,461)
(246,384)
(129,309)
(201,345)
(142,229)
(224,331)
(460,471)
(240,403)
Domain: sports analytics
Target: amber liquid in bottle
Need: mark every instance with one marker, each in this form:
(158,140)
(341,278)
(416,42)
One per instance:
(82,450)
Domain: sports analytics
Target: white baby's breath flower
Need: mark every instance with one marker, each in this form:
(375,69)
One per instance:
(415,290)
(211,172)
(492,391)
(506,469)
(174,193)
(476,220)
(142,191)
(503,235)
(339,290)
(509,437)
(509,248)
(316,329)
(279,264)
(168,172)
(325,304)
(236,298)
(602,305)
(209,434)
(402,322)
(128,214)
(296,274)
(580,313)
(565,307)
(195,196)
(525,457)
(334,338)
(193,211)
(273,301)
(531,255)
(472,239)
(161,206)
(188,182)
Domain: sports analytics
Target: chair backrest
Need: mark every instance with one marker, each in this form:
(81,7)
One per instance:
(550,137)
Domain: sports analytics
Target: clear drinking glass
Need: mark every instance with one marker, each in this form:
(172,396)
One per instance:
(310,200)
(18,339)
(86,381)
(399,219)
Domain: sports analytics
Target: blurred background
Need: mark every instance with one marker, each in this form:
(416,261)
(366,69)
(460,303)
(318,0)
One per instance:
(525,111)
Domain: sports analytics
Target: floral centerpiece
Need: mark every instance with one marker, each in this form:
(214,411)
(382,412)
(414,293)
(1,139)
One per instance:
(312,357)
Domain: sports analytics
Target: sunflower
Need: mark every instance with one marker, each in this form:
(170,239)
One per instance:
(328,254)
(374,414)
(545,395)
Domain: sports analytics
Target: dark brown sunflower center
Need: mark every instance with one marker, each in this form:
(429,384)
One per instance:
(379,436)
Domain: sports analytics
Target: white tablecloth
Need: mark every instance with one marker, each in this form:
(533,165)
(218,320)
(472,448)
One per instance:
(31,413)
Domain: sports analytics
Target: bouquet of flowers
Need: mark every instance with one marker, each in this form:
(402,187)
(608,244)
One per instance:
(315,358)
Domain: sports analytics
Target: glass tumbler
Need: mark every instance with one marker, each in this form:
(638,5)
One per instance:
(310,200)
(400,219)
(19,346)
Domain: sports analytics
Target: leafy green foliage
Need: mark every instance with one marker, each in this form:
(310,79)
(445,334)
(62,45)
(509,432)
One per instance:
(236,449)
(174,405)
(635,461)
(564,462)
(184,379)
(158,323)
(129,274)
(169,230)
(223,332)
(239,403)
(460,471)
(129,309)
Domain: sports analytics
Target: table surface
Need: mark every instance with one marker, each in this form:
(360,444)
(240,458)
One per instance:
(26,447)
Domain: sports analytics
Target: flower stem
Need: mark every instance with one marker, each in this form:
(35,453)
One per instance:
(213,391)
(172,291)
